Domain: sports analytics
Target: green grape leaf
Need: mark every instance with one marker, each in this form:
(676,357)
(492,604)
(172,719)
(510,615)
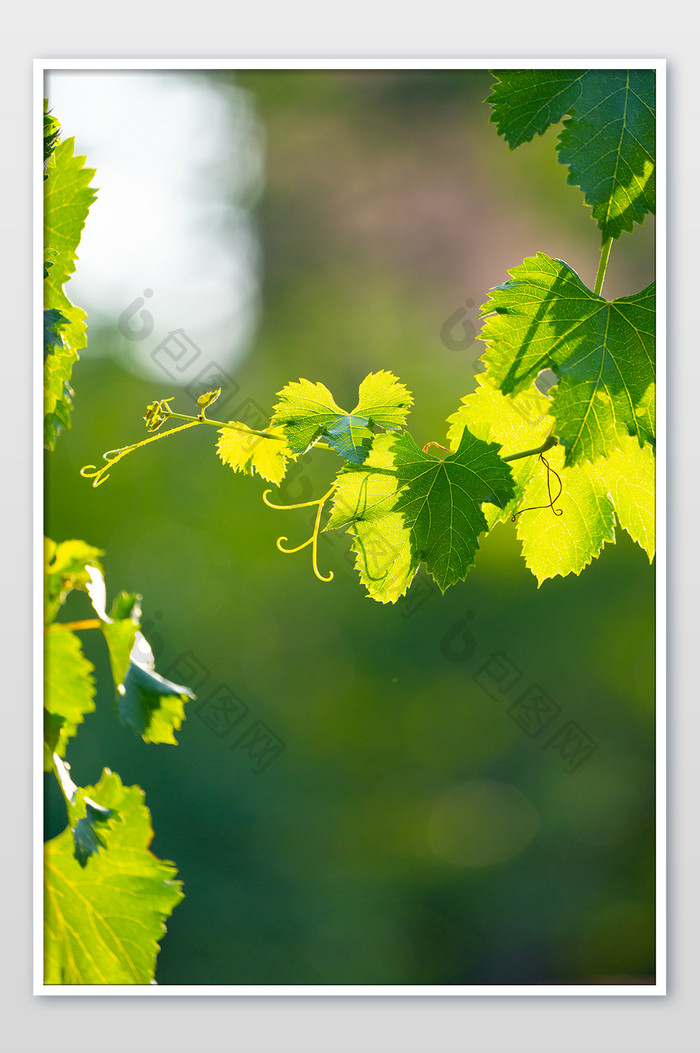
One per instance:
(244,451)
(440,501)
(608,140)
(308,412)
(364,503)
(103,922)
(65,568)
(601,351)
(593,494)
(67,200)
(69,689)
(151,705)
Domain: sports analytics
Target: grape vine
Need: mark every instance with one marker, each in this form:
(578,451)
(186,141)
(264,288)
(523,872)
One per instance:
(106,895)
(404,506)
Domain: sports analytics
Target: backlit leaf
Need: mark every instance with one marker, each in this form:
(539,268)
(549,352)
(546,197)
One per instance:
(103,922)
(601,352)
(608,140)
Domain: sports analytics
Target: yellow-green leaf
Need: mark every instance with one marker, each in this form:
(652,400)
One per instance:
(103,921)
(244,451)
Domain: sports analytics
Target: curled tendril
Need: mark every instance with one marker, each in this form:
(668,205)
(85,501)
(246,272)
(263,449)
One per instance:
(552,500)
(313,540)
(100,475)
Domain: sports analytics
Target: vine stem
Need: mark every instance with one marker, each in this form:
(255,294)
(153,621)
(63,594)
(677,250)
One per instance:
(100,475)
(602,266)
(552,440)
(224,424)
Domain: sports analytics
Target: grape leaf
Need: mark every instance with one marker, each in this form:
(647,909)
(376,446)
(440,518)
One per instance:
(517,423)
(440,502)
(608,140)
(53,321)
(66,568)
(601,352)
(52,133)
(308,412)
(593,494)
(103,922)
(244,451)
(69,689)
(146,701)
(67,200)
(84,816)
(119,630)
(630,477)
(364,503)
(351,437)
(383,400)
(119,626)
(87,838)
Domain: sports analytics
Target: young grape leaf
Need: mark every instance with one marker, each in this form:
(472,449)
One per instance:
(364,503)
(146,701)
(69,689)
(608,140)
(601,352)
(440,502)
(67,200)
(244,451)
(593,494)
(308,412)
(103,922)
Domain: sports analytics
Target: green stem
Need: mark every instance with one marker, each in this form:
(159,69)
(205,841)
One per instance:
(225,424)
(546,445)
(602,266)
(91,471)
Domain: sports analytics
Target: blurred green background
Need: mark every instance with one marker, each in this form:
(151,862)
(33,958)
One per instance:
(410,832)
